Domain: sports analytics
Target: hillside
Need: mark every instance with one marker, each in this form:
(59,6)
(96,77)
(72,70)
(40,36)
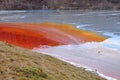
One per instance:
(60,4)
(20,64)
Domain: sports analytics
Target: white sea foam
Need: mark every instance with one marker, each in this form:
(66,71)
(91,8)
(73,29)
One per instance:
(24,16)
(113,42)
(83,25)
(3,12)
(118,22)
(11,11)
(109,34)
(114,14)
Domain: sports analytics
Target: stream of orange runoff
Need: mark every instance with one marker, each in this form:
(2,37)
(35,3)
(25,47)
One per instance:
(31,35)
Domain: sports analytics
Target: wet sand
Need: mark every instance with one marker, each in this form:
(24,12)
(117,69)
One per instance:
(104,60)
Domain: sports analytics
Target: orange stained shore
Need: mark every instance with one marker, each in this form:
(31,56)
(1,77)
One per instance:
(31,35)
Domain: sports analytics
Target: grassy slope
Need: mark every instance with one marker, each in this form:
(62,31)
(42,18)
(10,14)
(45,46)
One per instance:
(20,64)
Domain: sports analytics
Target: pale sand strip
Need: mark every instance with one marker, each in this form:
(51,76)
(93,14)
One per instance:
(97,58)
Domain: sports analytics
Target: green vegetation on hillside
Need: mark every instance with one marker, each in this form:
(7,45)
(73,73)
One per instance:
(21,64)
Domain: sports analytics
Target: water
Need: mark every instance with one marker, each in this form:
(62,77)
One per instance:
(105,23)
(103,56)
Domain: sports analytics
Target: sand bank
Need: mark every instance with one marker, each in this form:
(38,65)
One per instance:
(97,58)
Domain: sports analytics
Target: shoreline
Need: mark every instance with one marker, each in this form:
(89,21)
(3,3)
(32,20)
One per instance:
(107,68)
(88,69)
(84,67)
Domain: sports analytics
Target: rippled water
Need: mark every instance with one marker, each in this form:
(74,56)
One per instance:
(101,21)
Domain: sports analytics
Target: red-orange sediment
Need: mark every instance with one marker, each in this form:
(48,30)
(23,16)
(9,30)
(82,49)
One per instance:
(30,35)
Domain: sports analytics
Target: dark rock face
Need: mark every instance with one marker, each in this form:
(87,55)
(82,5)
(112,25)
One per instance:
(59,4)
(114,1)
(21,4)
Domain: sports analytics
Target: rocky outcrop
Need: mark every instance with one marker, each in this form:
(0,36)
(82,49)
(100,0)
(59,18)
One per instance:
(60,4)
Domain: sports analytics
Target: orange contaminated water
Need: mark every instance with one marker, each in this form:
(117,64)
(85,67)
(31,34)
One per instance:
(31,35)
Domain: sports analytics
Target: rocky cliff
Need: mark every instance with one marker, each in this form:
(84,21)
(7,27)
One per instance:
(60,4)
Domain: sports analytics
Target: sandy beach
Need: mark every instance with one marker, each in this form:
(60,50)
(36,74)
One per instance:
(97,58)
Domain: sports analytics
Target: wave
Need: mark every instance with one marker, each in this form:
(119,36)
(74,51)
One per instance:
(30,35)
(82,25)
(113,38)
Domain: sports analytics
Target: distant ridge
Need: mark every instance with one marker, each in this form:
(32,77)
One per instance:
(60,4)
